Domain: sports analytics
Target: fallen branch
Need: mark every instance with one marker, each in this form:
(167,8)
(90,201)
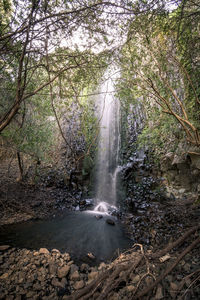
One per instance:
(112,283)
(149,288)
(172,245)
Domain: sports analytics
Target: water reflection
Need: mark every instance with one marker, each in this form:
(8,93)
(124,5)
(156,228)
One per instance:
(78,233)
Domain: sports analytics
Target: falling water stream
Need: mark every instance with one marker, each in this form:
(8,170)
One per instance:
(108,148)
(82,232)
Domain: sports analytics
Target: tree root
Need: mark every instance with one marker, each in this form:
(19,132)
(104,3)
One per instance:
(125,267)
(172,245)
(158,280)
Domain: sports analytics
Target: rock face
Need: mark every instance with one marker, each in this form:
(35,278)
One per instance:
(182,169)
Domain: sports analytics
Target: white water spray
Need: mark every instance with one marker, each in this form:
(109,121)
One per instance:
(108,148)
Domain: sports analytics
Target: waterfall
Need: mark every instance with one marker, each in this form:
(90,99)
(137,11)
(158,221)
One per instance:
(108,147)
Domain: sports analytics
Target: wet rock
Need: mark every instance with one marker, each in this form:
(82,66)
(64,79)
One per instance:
(110,222)
(63,272)
(98,217)
(89,202)
(82,202)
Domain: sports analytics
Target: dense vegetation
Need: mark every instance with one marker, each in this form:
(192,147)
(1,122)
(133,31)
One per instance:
(53,54)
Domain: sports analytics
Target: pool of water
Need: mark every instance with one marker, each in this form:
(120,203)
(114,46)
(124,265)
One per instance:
(77,233)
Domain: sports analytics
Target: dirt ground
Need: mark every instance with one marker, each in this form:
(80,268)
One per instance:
(22,201)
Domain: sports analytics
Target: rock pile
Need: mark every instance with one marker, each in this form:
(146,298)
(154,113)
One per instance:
(27,274)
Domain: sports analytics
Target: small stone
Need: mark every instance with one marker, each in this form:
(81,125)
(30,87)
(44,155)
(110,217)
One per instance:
(30,294)
(92,275)
(63,282)
(10,297)
(43,251)
(36,287)
(182,191)
(66,257)
(159,293)
(110,222)
(115,296)
(130,288)
(82,202)
(84,268)
(52,268)
(135,279)
(102,266)
(4,276)
(79,285)
(55,282)
(4,247)
(63,272)
(173,286)
(75,276)
(173,289)
(90,255)
(55,251)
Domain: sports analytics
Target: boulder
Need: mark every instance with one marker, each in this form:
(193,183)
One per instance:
(98,217)
(195,159)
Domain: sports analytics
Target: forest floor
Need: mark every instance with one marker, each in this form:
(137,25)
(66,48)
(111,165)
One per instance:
(164,262)
(23,201)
